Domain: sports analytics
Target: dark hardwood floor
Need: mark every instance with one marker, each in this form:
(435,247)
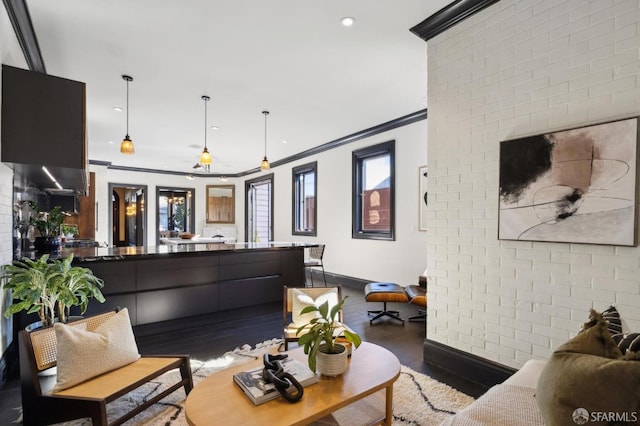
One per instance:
(209,336)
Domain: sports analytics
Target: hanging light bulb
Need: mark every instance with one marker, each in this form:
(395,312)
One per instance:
(205,157)
(264,166)
(126,146)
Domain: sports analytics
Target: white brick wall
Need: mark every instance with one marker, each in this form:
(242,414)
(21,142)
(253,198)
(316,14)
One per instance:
(521,67)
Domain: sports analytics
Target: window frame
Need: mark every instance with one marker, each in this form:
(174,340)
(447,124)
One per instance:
(295,172)
(358,158)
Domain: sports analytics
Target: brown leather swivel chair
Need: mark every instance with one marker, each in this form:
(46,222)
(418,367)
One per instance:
(418,296)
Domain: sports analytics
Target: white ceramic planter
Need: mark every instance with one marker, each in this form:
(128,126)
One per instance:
(332,364)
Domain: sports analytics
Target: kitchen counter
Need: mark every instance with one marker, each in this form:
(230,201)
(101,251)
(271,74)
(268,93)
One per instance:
(165,282)
(88,254)
(194,240)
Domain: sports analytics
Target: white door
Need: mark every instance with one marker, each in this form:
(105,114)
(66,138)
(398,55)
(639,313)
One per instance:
(259,211)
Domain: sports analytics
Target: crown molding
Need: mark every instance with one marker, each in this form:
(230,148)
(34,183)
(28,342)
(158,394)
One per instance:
(366,133)
(23,27)
(362,134)
(449,16)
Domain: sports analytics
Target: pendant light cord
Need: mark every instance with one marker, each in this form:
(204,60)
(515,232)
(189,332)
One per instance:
(127,106)
(128,79)
(206,98)
(265,132)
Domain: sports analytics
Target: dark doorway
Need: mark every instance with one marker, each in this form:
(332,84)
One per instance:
(128,220)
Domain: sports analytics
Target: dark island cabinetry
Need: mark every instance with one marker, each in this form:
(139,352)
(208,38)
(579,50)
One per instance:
(164,286)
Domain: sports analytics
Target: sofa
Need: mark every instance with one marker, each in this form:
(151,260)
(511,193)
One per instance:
(509,403)
(592,378)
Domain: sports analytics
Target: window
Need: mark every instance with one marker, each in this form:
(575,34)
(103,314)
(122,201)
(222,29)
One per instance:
(373,192)
(305,187)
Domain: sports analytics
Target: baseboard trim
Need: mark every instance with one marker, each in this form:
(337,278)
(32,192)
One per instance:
(464,364)
(344,280)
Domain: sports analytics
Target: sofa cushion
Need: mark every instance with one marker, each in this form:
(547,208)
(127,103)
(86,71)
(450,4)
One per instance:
(614,322)
(502,405)
(301,300)
(84,354)
(588,372)
(628,343)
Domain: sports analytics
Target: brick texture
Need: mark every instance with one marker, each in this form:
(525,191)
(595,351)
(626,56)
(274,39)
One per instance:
(519,68)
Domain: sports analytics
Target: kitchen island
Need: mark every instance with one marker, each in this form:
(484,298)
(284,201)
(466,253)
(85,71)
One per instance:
(166,282)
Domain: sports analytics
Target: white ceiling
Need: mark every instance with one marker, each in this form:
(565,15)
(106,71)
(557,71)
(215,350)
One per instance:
(319,80)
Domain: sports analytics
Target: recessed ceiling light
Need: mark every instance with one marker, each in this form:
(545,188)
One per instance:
(347,21)
(284,141)
(110,142)
(117,108)
(215,127)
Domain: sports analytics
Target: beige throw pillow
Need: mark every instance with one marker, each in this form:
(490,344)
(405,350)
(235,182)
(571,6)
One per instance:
(85,354)
(301,300)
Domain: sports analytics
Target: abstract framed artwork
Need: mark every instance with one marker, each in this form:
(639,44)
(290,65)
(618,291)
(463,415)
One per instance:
(422,202)
(572,186)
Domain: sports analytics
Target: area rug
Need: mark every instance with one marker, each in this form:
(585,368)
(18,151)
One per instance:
(418,399)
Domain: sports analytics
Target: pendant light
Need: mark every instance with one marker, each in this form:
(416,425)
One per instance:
(126,146)
(264,166)
(205,157)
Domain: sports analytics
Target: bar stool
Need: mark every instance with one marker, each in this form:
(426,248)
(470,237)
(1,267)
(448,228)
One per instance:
(315,261)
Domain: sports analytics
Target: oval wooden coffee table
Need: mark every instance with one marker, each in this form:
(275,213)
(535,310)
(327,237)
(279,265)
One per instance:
(217,399)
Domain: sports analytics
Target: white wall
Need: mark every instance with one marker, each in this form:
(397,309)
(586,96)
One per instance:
(105,176)
(10,54)
(517,68)
(400,261)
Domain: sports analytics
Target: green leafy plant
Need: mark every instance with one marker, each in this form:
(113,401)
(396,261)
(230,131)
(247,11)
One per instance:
(47,223)
(31,285)
(320,333)
(49,287)
(69,229)
(75,286)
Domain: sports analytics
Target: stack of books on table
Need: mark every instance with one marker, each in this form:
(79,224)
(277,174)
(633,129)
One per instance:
(259,391)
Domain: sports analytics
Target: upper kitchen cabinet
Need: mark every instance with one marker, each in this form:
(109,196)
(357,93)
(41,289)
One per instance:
(43,124)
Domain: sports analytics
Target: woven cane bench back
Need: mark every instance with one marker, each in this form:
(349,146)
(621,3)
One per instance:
(44,341)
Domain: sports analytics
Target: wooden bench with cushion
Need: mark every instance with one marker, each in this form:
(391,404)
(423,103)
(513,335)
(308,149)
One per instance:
(44,404)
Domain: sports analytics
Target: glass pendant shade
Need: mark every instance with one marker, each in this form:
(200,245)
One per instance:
(126,146)
(264,166)
(205,157)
